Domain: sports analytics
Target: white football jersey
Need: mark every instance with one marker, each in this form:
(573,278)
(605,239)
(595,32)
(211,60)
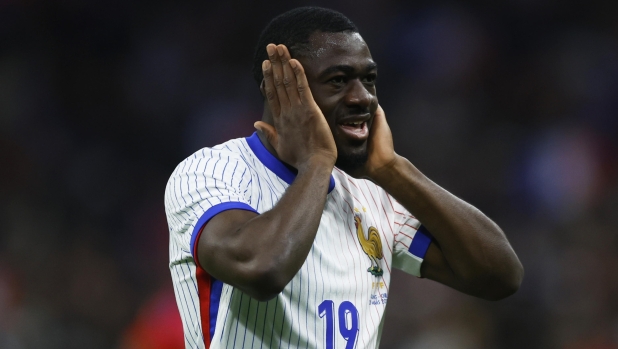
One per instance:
(337,298)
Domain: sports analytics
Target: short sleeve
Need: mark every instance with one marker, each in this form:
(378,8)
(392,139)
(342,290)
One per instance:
(411,242)
(202,186)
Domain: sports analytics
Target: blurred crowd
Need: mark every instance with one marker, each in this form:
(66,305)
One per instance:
(511,105)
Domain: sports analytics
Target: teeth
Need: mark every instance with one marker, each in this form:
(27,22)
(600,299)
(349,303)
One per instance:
(355,123)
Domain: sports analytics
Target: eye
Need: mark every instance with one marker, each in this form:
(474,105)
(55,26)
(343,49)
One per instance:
(370,79)
(338,80)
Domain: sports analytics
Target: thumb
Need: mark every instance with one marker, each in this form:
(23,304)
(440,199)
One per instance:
(269,131)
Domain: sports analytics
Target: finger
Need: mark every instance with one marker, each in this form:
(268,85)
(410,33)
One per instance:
(277,70)
(381,116)
(302,86)
(269,131)
(380,136)
(269,88)
(380,111)
(289,78)
(379,121)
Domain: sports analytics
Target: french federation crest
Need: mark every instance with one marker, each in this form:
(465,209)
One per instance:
(372,246)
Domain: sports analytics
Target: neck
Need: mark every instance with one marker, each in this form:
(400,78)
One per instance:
(266,144)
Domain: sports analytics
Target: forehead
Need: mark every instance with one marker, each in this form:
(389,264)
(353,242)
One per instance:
(328,49)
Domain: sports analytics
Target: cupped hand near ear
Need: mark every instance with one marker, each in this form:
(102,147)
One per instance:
(300,134)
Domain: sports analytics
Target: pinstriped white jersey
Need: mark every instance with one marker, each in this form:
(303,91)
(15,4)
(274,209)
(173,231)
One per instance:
(337,298)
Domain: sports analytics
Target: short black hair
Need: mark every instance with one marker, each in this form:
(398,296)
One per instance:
(293,29)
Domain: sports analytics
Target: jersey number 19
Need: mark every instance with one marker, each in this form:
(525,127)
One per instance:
(348,322)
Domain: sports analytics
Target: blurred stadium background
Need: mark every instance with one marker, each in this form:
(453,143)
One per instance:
(511,105)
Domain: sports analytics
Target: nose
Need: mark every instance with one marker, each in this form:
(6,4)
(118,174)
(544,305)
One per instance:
(358,95)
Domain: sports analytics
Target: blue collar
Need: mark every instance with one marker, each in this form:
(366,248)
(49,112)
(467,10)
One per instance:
(282,170)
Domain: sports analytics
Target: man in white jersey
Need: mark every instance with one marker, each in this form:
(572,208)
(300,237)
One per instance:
(287,238)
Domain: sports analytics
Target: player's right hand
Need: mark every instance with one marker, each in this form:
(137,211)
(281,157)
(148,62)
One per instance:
(300,134)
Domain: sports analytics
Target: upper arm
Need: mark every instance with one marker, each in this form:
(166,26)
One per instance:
(417,253)
(466,267)
(219,249)
(435,267)
(204,186)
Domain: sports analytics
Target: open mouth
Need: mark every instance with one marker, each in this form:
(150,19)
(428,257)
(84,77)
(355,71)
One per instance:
(357,130)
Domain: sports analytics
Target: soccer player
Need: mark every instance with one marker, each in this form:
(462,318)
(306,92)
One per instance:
(287,238)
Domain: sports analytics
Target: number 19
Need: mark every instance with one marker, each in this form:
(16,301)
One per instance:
(348,322)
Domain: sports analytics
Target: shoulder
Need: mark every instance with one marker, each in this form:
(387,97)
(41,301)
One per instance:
(228,161)
(232,151)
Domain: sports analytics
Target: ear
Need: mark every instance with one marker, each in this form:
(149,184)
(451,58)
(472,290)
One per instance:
(262,89)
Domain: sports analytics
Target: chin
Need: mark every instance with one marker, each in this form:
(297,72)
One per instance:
(349,162)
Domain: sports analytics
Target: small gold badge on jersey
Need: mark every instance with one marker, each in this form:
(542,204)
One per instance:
(372,245)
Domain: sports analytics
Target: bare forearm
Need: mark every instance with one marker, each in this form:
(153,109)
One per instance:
(269,249)
(474,247)
(288,230)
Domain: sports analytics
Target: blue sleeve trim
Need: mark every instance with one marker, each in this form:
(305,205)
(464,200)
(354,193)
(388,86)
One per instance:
(420,242)
(278,167)
(211,212)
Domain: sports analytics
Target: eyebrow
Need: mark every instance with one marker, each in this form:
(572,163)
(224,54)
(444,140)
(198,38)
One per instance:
(348,69)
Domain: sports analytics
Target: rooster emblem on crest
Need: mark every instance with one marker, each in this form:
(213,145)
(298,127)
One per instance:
(372,246)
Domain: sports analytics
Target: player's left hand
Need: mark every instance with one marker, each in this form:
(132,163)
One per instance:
(380,149)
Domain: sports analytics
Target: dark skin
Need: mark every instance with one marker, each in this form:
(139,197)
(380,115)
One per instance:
(322,109)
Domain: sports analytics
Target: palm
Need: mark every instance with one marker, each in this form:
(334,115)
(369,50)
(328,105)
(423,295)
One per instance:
(380,146)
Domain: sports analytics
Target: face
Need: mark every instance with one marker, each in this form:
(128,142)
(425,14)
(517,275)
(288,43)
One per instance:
(342,75)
